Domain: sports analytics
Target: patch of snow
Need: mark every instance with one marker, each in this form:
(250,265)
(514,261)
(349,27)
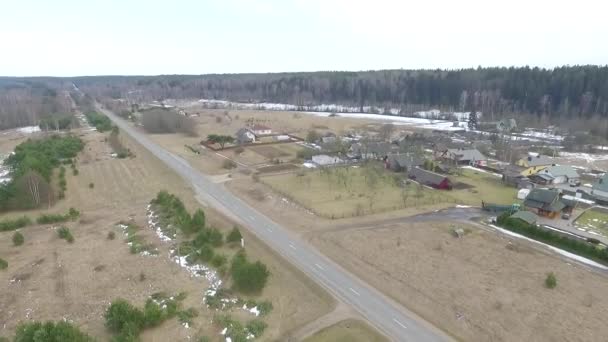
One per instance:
(555,249)
(154,223)
(223,332)
(463,206)
(28,129)
(309,165)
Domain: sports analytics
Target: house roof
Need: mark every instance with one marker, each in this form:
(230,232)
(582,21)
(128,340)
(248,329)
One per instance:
(378,148)
(425,176)
(561,170)
(601,184)
(242,133)
(406,160)
(544,176)
(526,216)
(513,171)
(545,199)
(470,154)
(540,160)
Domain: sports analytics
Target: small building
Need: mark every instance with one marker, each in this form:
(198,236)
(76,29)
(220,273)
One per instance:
(544,202)
(523,193)
(599,189)
(561,174)
(260,130)
(245,136)
(541,178)
(428,178)
(466,157)
(526,216)
(325,160)
(403,162)
(534,164)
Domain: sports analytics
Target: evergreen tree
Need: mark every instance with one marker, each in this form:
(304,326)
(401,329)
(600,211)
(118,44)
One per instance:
(473,120)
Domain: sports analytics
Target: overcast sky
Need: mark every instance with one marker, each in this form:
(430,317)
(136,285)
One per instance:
(149,37)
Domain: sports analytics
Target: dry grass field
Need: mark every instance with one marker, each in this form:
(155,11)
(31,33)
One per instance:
(481,186)
(482,287)
(49,279)
(349,330)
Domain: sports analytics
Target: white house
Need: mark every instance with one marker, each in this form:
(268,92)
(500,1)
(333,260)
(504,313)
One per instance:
(561,174)
(325,160)
(245,136)
(260,130)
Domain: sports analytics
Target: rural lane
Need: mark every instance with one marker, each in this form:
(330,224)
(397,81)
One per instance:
(391,318)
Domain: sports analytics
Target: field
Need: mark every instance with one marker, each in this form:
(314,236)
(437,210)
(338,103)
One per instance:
(482,287)
(355,191)
(593,220)
(483,186)
(347,331)
(351,191)
(49,279)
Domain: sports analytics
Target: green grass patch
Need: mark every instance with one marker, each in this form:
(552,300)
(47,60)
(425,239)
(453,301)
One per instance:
(71,215)
(593,220)
(482,186)
(49,332)
(101,122)
(8,225)
(65,234)
(137,244)
(3,264)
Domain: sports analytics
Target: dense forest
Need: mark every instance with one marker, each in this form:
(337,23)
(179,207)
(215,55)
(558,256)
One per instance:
(567,92)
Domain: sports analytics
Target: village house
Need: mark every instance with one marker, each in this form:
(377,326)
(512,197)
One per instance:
(428,178)
(526,216)
(369,150)
(245,136)
(512,176)
(534,164)
(325,160)
(403,162)
(258,130)
(466,157)
(545,202)
(560,174)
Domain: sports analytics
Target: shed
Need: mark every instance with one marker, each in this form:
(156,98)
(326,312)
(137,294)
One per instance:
(523,193)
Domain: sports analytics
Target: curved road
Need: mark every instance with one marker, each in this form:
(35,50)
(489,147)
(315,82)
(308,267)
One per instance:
(391,318)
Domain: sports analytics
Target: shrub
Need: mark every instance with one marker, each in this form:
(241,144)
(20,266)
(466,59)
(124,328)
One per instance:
(50,331)
(205,253)
(101,122)
(153,314)
(265,307)
(75,172)
(219,260)
(256,327)
(186,316)
(8,225)
(72,215)
(551,281)
(234,235)
(248,277)
(3,264)
(91,185)
(198,221)
(18,239)
(64,233)
(111,235)
(123,318)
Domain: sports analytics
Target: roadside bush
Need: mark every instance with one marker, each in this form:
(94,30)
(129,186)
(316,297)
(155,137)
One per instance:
(111,235)
(91,185)
(234,236)
(3,264)
(265,307)
(101,122)
(50,332)
(551,281)
(64,233)
(248,277)
(153,314)
(198,221)
(205,253)
(8,225)
(18,239)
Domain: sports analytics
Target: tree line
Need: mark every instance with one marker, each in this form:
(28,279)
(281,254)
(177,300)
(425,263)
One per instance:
(563,92)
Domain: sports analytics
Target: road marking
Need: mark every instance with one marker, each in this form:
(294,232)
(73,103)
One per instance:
(320,267)
(401,324)
(292,246)
(355,292)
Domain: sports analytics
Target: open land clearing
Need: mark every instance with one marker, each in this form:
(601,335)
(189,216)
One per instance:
(49,279)
(482,287)
(594,221)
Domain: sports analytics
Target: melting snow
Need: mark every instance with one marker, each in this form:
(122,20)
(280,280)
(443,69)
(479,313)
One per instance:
(155,224)
(28,129)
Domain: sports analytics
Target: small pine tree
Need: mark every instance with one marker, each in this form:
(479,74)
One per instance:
(473,120)
(18,239)
(551,281)
(234,235)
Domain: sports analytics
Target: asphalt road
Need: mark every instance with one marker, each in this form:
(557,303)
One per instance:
(394,320)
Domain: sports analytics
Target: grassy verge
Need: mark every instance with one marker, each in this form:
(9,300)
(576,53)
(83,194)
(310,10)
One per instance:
(593,220)
(349,330)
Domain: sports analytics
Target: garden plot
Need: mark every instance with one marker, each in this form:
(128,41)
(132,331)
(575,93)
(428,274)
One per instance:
(593,222)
